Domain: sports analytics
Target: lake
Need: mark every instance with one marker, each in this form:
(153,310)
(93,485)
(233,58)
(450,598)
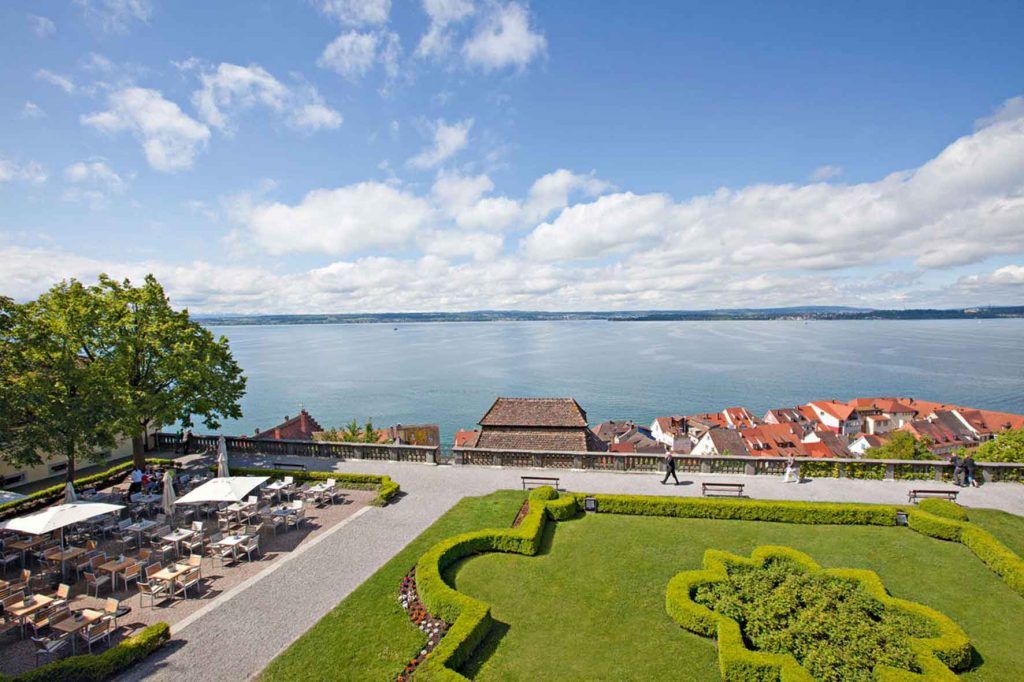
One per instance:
(450,373)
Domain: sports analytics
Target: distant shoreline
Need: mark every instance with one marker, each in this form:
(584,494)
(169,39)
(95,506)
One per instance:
(739,315)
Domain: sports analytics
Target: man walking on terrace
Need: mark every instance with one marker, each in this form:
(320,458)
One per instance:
(670,469)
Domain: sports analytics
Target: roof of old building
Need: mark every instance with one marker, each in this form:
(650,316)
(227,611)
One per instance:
(551,438)
(788,414)
(300,427)
(739,417)
(773,440)
(607,431)
(466,438)
(674,425)
(727,442)
(936,431)
(840,411)
(535,412)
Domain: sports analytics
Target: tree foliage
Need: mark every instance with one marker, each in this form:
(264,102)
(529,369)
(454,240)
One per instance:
(1008,446)
(903,445)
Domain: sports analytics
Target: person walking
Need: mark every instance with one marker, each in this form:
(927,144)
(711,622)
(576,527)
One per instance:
(958,470)
(791,476)
(970,468)
(186,441)
(670,469)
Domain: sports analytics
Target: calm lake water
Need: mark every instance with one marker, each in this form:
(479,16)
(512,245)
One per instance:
(449,373)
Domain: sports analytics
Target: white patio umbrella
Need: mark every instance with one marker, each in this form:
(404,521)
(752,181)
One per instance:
(69,493)
(55,518)
(222,457)
(168,493)
(229,489)
(10,496)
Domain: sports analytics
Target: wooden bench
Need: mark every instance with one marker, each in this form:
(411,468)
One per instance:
(290,466)
(530,482)
(915,495)
(711,489)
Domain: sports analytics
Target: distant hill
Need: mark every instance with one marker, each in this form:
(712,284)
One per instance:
(790,313)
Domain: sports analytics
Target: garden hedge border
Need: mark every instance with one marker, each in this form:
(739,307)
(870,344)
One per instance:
(102,479)
(950,649)
(386,488)
(471,618)
(947,509)
(102,666)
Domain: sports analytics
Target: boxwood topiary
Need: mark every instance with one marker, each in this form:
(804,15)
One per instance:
(947,509)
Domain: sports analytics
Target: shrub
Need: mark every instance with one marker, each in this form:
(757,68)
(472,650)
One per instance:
(787,607)
(386,488)
(103,479)
(947,509)
(103,666)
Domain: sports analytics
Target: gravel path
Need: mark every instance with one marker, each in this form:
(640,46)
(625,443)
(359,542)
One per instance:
(240,634)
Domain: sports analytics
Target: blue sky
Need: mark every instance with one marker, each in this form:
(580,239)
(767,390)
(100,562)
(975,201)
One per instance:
(337,155)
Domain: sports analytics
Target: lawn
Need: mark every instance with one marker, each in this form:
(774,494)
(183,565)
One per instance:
(593,605)
(368,636)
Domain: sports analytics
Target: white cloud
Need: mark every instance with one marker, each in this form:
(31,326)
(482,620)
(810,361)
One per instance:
(170,138)
(338,221)
(32,110)
(436,42)
(823,173)
(62,82)
(30,171)
(1009,110)
(504,38)
(551,192)
(92,182)
(356,12)
(448,141)
(41,26)
(116,16)
(315,117)
(351,54)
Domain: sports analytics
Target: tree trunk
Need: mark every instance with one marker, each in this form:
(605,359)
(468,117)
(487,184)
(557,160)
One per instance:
(69,453)
(139,450)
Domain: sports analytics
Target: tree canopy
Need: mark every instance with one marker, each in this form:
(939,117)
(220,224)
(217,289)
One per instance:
(1008,446)
(903,445)
(83,366)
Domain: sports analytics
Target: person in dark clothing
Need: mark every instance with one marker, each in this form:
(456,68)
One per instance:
(670,469)
(186,441)
(958,470)
(970,468)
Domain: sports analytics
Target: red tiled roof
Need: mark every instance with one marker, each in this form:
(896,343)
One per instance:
(840,411)
(466,438)
(300,427)
(773,440)
(551,412)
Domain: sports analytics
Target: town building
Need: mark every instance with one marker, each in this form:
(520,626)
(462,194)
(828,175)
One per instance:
(673,433)
(834,416)
(739,418)
(300,427)
(550,424)
(864,442)
(466,438)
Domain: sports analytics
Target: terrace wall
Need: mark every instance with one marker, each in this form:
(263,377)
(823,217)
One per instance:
(423,454)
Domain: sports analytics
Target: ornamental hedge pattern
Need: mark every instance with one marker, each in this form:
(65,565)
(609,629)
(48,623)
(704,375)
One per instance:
(470,618)
(783,602)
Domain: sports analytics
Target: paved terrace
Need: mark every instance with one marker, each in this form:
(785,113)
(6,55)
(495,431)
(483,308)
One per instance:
(236,635)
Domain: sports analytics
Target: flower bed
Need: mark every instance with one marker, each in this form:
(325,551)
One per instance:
(777,614)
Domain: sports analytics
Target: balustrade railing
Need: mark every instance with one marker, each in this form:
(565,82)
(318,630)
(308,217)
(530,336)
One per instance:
(881,469)
(302,448)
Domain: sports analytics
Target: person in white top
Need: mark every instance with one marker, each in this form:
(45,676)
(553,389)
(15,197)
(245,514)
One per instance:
(136,485)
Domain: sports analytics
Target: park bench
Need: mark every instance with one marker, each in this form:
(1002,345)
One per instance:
(530,482)
(915,495)
(289,466)
(710,489)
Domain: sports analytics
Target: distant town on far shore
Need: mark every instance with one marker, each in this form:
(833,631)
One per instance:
(720,314)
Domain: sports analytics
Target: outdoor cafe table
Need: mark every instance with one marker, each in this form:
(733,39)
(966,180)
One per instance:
(72,625)
(238,507)
(139,527)
(115,566)
(26,545)
(170,574)
(24,609)
(177,536)
(64,556)
(284,511)
(232,541)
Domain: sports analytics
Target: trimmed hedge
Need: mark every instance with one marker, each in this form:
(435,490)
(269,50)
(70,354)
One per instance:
(386,488)
(102,479)
(748,510)
(102,666)
(471,618)
(950,648)
(947,509)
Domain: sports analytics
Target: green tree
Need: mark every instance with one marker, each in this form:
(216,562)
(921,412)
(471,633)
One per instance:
(1008,446)
(57,392)
(903,445)
(167,366)
(369,433)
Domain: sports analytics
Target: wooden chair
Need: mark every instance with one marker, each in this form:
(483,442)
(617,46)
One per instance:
(154,590)
(251,545)
(190,578)
(47,646)
(113,610)
(133,572)
(96,632)
(95,582)
(63,594)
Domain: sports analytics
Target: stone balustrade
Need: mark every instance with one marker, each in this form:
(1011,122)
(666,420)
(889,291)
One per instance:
(301,448)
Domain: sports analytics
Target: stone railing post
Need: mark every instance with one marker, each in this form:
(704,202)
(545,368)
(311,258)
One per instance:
(842,470)
(890,472)
(749,469)
(937,472)
(538,461)
(393,454)
(578,461)
(705,466)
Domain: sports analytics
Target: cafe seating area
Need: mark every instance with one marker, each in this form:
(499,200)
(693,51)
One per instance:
(90,584)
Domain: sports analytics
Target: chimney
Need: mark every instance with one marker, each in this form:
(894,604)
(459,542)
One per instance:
(302,421)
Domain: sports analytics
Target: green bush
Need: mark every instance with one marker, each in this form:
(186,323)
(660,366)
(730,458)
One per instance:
(102,666)
(749,510)
(947,509)
(47,496)
(787,607)
(386,488)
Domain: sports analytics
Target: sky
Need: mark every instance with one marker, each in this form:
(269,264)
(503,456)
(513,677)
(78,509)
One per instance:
(320,156)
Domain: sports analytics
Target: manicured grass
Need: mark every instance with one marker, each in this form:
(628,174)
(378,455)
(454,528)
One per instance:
(592,605)
(368,636)
(1008,528)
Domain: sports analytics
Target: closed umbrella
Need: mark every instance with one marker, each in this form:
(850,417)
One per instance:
(69,493)
(222,457)
(168,494)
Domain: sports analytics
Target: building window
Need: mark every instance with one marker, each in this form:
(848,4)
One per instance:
(58,468)
(12,479)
